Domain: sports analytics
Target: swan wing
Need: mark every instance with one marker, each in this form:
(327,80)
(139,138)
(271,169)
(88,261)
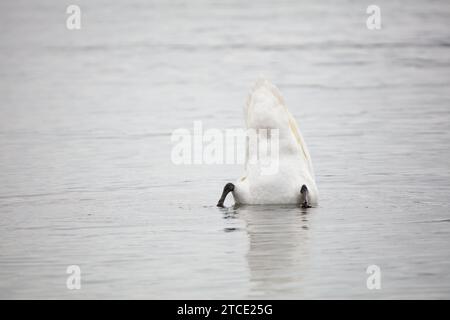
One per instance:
(265,98)
(300,142)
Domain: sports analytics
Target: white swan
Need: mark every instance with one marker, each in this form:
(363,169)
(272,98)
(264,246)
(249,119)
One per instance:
(293,182)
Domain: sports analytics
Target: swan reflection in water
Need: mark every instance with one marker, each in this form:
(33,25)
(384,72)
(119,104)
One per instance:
(278,248)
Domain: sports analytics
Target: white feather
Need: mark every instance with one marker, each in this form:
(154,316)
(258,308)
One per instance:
(265,109)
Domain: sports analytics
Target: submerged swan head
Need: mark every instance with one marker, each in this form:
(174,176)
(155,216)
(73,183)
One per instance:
(293,182)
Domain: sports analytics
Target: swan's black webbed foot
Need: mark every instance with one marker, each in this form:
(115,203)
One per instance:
(304,197)
(227,189)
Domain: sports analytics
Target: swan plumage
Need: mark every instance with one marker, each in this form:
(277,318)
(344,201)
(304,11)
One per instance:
(266,109)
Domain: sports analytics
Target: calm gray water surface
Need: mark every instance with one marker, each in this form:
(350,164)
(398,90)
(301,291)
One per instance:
(86,174)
